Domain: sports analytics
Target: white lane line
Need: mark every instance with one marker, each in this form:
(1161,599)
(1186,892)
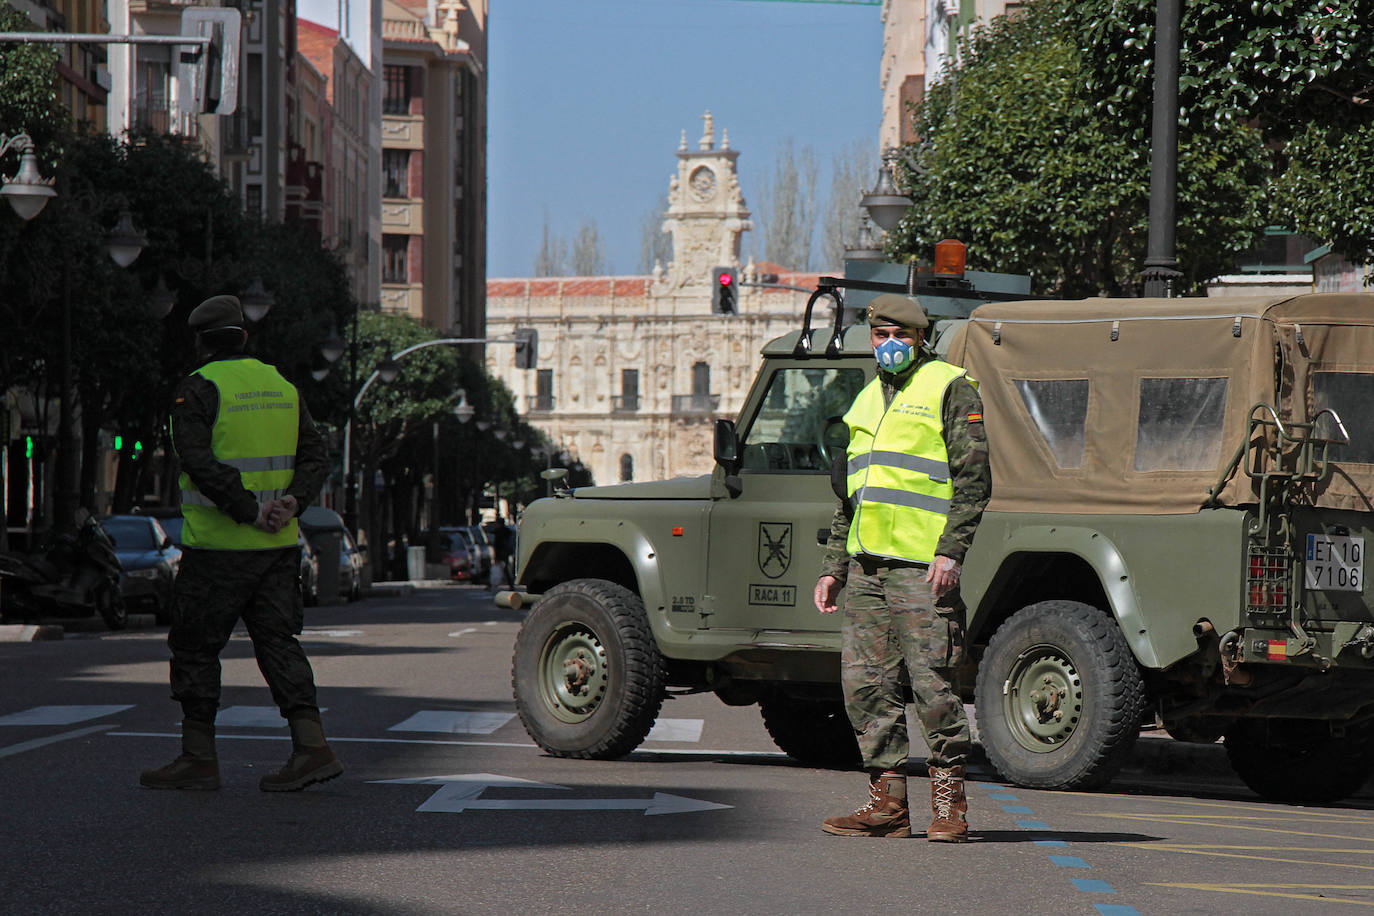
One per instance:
(453,722)
(60,715)
(308,633)
(250,717)
(53,739)
(676,730)
(464,632)
(646,752)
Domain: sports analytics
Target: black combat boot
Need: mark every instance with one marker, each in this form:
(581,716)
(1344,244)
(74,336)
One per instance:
(196,768)
(311,759)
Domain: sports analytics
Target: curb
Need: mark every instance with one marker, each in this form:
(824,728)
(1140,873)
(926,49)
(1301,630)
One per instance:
(30,632)
(94,624)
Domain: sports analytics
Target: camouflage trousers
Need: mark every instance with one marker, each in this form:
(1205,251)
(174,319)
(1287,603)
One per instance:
(214,590)
(892,620)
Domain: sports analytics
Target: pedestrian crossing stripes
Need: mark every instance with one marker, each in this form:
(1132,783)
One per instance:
(433,721)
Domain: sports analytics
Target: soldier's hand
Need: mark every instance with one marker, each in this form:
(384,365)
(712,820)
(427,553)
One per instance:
(283,511)
(264,519)
(943,576)
(827,594)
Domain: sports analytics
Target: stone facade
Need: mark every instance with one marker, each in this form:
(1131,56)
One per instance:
(633,370)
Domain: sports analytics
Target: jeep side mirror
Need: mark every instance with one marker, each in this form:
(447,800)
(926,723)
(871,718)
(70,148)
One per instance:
(727,455)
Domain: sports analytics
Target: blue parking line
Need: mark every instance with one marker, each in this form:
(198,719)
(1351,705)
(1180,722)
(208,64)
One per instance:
(1093,886)
(1033,825)
(1045,841)
(1017,809)
(1068,861)
(1116,909)
(1002,796)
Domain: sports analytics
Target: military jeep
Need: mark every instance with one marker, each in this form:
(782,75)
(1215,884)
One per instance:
(1181,500)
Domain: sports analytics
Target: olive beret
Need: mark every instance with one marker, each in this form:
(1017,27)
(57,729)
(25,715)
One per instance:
(890,308)
(215,313)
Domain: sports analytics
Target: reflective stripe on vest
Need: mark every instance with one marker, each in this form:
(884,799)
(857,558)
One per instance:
(899,476)
(255,433)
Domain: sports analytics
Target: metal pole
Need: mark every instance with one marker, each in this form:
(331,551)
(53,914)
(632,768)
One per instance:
(64,497)
(350,491)
(102,38)
(1161,275)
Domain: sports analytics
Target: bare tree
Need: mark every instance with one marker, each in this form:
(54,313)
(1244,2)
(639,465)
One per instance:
(553,253)
(850,168)
(788,207)
(655,245)
(588,258)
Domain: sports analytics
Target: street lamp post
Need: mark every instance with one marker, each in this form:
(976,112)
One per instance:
(1161,274)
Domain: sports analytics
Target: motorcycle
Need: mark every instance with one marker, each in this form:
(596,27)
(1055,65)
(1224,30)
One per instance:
(75,576)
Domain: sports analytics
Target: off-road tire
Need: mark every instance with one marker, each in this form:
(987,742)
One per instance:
(1082,651)
(811,731)
(1299,763)
(611,708)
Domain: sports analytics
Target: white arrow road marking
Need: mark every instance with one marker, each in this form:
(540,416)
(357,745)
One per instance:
(464,632)
(60,715)
(306,634)
(461,793)
(453,722)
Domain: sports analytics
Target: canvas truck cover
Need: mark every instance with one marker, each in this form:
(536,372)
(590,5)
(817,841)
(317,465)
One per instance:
(1138,405)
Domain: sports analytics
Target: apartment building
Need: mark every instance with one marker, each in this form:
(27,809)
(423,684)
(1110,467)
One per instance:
(433,258)
(82,68)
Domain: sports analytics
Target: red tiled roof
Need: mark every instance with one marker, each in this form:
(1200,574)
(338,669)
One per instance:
(575,287)
(316,43)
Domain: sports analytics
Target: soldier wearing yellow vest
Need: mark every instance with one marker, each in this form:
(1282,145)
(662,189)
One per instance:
(916,482)
(251,462)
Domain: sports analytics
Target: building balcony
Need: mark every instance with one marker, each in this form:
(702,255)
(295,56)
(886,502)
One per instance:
(403,299)
(625,403)
(403,132)
(539,403)
(695,404)
(150,116)
(403,216)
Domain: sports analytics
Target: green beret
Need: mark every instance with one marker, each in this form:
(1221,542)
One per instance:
(215,313)
(890,308)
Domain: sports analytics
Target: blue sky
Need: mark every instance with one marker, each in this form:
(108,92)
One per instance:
(588,98)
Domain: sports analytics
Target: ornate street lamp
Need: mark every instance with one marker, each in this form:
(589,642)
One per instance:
(125,242)
(27,191)
(885,203)
(256,301)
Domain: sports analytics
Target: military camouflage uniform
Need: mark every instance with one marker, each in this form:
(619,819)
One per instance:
(215,588)
(893,618)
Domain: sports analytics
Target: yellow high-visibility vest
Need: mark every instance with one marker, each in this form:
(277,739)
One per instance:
(255,432)
(899,468)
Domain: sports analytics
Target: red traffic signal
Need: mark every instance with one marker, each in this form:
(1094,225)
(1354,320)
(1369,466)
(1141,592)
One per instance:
(725,291)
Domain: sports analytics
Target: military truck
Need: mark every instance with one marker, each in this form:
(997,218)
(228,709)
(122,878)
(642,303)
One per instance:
(1181,501)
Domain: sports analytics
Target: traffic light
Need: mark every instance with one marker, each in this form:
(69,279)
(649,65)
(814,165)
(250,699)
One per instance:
(209,74)
(526,348)
(724,291)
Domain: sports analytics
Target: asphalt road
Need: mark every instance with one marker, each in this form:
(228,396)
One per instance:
(447,807)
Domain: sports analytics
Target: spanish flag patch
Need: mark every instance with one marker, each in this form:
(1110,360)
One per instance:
(975,418)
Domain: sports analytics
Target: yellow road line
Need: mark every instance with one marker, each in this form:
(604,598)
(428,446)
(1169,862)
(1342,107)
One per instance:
(1257,890)
(1166,819)
(1214,851)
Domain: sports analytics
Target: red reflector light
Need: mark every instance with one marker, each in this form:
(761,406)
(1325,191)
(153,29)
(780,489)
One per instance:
(677,531)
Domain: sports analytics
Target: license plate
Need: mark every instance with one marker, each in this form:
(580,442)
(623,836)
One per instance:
(1334,563)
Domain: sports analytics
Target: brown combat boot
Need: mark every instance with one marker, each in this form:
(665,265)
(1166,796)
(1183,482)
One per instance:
(885,815)
(948,804)
(311,759)
(196,768)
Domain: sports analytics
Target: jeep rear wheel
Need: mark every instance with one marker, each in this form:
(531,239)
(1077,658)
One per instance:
(587,675)
(1300,762)
(812,731)
(1059,697)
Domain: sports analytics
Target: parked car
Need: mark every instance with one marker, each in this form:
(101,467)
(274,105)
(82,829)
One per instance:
(149,559)
(484,546)
(169,517)
(318,523)
(479,560)
(455,553)
(310,572)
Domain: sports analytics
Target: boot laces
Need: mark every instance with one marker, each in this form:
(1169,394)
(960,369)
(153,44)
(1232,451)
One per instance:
(943,797)
(873,799)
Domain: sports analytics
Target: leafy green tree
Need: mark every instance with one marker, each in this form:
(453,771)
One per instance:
(1016,160)
(1300,71)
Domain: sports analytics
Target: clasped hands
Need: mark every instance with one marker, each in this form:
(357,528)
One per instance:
(274,514)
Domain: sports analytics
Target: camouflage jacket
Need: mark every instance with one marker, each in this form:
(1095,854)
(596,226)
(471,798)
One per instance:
(195,406)
(970,473)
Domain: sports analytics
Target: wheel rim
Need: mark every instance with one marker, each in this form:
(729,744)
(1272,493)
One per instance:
(1042,699)
(573,672)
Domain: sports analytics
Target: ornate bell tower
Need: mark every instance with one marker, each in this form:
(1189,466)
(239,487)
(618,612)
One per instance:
(706,211)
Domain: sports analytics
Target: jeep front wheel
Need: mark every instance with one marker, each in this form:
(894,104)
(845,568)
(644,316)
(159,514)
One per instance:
(812,731)
(1059,697)
(587,676)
